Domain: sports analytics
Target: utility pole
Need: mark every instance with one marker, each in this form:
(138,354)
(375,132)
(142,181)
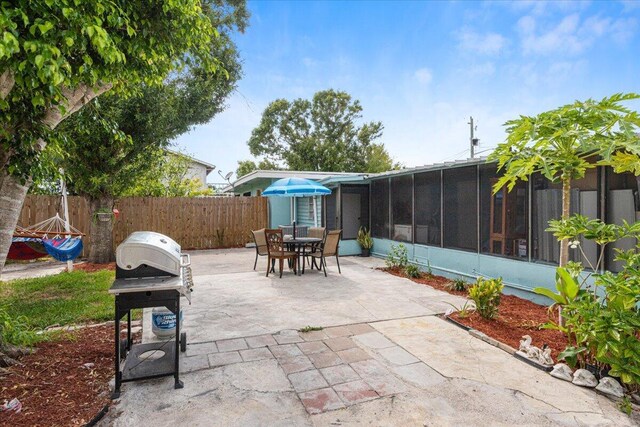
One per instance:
(473,141)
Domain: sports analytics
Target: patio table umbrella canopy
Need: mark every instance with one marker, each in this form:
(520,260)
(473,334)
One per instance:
(295,187)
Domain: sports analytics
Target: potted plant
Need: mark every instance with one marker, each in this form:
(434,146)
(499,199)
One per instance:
(365,241)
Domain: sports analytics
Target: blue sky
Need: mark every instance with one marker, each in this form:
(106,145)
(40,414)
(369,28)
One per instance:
(422,68)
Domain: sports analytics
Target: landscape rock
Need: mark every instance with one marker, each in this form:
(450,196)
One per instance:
(584,378)
(562,371)
(610,387)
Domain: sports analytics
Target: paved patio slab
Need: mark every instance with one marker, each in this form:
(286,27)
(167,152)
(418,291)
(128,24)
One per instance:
(382,359)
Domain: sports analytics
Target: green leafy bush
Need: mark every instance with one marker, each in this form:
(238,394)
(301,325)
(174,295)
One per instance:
(398,257)
(486,293)
(412,270)
(458,285)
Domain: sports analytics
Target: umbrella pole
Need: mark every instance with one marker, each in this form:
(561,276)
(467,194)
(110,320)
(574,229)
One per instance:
(315,212)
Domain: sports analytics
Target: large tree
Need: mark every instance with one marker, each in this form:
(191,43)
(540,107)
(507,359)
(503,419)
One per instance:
(116,144)
(324,134)
(57,55)
(248,166)
(563,143)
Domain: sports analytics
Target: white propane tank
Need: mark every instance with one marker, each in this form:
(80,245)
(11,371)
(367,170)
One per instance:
(163,322)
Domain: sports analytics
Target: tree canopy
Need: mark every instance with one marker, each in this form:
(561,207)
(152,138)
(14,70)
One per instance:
(322,134)
(248,166)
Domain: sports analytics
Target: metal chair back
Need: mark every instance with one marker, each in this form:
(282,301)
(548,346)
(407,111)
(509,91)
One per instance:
(317,232)
(275,245)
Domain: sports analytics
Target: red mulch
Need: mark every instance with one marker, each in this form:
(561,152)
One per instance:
(54,386)
(90,267)
(516,317)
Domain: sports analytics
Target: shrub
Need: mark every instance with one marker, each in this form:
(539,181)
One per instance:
(397,257)
(457,285)
(412,271)
(486,293)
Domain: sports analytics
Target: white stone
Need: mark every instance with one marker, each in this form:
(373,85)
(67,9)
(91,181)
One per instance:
(562,371)
(584,378)
(610,387)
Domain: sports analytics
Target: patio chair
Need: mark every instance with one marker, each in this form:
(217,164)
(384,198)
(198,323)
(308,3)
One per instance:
(261,244)
(276,250)
(317,232)
(328,247)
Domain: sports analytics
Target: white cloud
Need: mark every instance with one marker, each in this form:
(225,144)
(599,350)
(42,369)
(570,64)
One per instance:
(423,75)
(572,35)
(485,44)
(485,69)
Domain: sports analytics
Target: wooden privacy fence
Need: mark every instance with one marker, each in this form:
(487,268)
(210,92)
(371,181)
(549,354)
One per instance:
(195,223)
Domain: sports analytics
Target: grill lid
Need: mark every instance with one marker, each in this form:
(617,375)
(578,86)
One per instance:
(151,249)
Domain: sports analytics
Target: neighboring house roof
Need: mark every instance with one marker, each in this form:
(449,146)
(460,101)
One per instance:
(208,166)
(267,175)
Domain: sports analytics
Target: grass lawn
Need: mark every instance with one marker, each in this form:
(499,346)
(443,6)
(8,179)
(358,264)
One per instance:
(62,299)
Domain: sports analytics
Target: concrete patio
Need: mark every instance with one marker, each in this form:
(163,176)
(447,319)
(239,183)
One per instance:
(383,357)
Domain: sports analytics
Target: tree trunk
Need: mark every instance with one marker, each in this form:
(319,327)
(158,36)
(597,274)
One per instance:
(12,194)
(566,212)
(101,230)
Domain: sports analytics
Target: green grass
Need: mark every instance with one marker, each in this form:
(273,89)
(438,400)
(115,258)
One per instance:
(63,299)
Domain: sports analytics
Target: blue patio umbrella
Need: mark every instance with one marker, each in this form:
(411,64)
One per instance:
(296,187)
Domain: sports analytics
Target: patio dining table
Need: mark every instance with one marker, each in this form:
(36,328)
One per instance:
(299,245)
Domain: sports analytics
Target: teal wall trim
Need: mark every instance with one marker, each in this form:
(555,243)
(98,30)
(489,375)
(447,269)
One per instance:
(520,277)
(349,247)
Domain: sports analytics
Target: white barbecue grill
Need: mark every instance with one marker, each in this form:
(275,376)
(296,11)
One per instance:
(151,271)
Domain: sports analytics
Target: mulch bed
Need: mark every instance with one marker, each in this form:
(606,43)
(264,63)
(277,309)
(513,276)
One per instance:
(516,317)
(90,267)
(55,386)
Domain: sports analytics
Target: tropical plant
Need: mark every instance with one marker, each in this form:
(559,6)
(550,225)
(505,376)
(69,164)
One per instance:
(397,257)
(458,285)
(464,310)
(364,238)
(486,294)
(412,271)
(563,143)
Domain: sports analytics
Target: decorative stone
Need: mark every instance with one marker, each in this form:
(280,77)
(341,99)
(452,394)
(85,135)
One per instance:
(610,387)
(584,378)
(562,371)
(541,356)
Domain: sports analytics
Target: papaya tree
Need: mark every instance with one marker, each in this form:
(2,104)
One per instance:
(563,143)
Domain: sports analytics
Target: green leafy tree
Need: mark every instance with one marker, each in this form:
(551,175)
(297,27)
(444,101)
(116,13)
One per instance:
(323,134)
(115,145)
(58,55)
(248,166)
(563,143)
(168,177)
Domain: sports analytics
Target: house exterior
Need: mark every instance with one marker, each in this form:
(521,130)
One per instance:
(198,169)
(451,222)
(284,210)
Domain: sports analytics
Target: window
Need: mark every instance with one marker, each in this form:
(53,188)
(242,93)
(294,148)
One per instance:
(380,208)
(504,216)
(402,208)
(546,204)
(312,211)
(354,209)
(427,207)
(460,208)
(623,203)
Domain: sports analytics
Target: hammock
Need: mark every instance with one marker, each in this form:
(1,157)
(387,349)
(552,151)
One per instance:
(46,238)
